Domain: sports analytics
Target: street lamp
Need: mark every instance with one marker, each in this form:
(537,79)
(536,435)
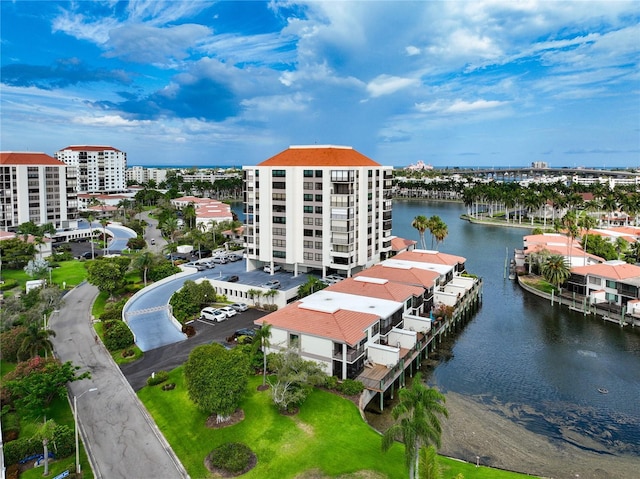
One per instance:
(75,418)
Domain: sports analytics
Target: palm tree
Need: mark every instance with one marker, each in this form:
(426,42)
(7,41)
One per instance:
(104,222)
(261,340)
(272,293)
(438,229)
(418,411)
(420,223)
(254,293)
(33,340)
(587,223)
(556,270)
(142,262)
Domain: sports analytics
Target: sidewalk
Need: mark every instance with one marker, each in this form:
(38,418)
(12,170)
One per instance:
(121,439)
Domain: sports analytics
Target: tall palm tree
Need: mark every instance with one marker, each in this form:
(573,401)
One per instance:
(142,262)
(104,222)
(261,340)
(254,293)
(417,422)
(420,223)
(587,223)
(438,229)
(33,340)
(555,270)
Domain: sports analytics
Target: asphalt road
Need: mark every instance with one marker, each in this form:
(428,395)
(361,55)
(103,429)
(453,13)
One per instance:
(169,357)
(122,440)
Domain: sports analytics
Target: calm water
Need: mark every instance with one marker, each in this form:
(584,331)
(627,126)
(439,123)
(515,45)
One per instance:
(543,364)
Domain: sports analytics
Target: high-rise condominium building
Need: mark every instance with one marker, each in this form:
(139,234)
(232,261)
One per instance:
(35,187)
(100,169)
(317,208)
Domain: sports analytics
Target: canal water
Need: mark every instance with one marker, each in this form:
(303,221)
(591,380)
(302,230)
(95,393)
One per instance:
(519,352)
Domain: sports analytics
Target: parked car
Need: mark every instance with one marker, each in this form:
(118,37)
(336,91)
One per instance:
(273,284)
(229,279)
(207,263)
(153,241)
(333,278)
(87,255)
(276,268)
(219,259)
(198,266)
(234,257)
(229,311)
(246,332)
(240,307)
(213,314)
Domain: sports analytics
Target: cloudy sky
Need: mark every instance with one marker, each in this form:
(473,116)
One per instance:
(451,83)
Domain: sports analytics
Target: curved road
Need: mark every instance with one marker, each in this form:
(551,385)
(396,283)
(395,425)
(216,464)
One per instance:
(121,438)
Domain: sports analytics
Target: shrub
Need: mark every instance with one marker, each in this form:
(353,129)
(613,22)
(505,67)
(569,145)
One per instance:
(10,343)
(162,270)
(16,450)
(8,284)
(331,382)
(351,387)
(233,457)
(113,310)
(63,441)
(157,378)
(10,426)
(117,335)
(189,330)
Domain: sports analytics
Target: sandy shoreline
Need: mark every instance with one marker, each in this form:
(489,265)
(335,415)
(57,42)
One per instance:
(472,429)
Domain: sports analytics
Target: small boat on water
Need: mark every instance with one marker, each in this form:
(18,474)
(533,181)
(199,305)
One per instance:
(603,390)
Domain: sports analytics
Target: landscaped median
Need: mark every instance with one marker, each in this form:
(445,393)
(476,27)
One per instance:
(327,438)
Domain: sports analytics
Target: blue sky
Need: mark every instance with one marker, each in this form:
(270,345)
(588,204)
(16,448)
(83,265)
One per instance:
(451,83)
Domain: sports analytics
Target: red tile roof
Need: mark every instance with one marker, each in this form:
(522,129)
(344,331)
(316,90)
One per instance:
(431,257)
(416,276)
(611,270)
(380,288)
(89,148)
(28,158)
(319,156)
(342,325)
(401,244)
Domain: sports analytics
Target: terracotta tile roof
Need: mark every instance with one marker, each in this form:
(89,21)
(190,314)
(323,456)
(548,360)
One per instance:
(610,269)
(317,155)
(377,288)
(28,158)
(427,256)
(401,244)
(414,276)
(562,250)
(89,148)
(342,325)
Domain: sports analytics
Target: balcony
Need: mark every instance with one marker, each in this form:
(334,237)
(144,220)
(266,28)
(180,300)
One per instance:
(351,356)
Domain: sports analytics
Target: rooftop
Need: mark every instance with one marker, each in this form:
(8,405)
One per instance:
(320,155)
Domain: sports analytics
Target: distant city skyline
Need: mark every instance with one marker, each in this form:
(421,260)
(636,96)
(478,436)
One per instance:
(206,83)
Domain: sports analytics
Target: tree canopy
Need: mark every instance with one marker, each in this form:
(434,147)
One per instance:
(294,379)
(216,379)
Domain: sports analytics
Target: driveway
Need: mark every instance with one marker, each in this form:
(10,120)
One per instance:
(122,440)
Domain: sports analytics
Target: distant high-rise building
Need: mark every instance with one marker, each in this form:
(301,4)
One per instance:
(100,169)
(36,187)
(317,208)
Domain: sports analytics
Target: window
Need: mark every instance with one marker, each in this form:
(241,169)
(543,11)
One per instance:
(279,254)
(279,232)
(318,222)
(308,209)
(375,329)
(318,244)
(307,244)
(278,173)
(611,284)
(318,256)
(341,175)
(307,256)
(318,210)
(308,197)
(318,186)
(279,208)
(307,221)
(279,243)
(278,185)
(318,173)
(318,197)
(308,173)
(307,185)
(308,233)
(318,233)
(294,340)
(280,220)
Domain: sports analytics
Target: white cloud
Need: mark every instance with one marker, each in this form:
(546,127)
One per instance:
(109,121)
(412,50)
(387,84)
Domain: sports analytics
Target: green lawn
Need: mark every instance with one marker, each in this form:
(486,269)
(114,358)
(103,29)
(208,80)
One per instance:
(327,435)
(72,273)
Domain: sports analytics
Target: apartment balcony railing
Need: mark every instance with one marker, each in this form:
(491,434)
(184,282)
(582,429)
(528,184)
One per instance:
(351,356)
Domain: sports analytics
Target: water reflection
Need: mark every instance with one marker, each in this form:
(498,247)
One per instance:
(539,365)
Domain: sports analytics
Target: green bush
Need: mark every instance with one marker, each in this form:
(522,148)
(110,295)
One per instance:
(117,335)
(10,426)
(162,270)
(331,382)
(16,450)
(350,387)
(10,343)
(233,457)
(158,378)
(113,310)
(63,441)
(8,284)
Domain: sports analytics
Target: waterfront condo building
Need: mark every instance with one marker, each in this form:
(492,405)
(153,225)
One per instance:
(100,169)
(36,187)
(325,209)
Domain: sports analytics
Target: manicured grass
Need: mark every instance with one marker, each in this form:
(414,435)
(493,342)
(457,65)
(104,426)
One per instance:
(327,435)
(72,273)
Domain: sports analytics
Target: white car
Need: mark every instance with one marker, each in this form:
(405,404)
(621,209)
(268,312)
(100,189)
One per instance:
(213,314)
(276,268)
(333,278)
(229,311)
(240,307)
